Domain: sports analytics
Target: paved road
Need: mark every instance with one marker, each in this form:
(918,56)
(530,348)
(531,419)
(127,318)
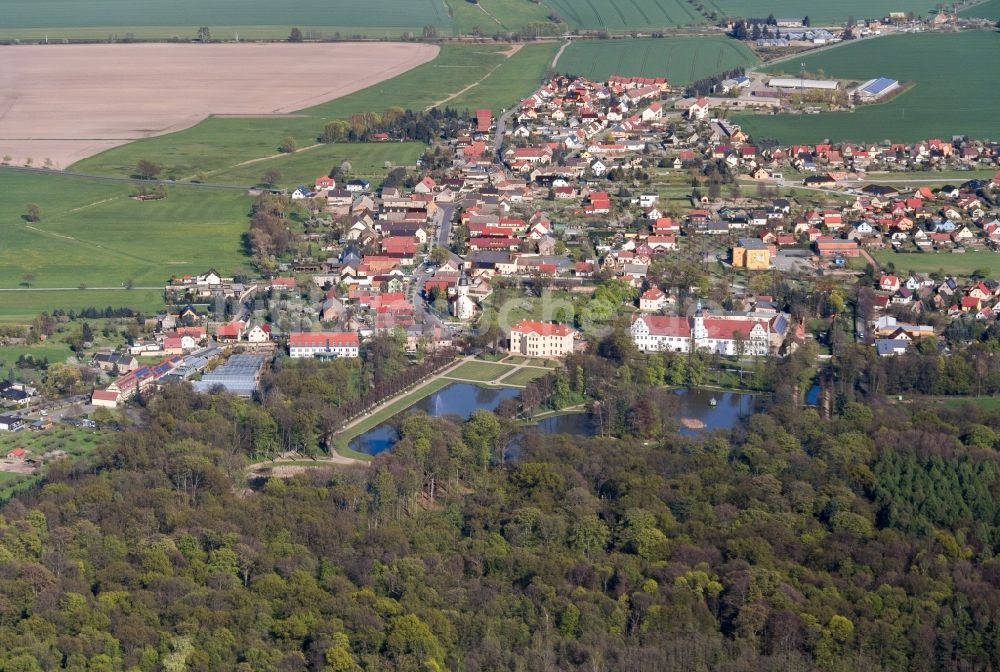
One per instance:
(421,313)
(444,218)
(499,133)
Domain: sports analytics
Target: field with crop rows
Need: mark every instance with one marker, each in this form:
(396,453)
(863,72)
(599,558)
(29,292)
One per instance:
(989,10)
(493,16)
(680,59)
(619,15)
(114,13)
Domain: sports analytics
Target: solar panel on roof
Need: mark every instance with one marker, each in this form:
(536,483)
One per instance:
(879,85)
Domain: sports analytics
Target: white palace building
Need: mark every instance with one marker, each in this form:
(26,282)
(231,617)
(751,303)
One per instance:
(723,333)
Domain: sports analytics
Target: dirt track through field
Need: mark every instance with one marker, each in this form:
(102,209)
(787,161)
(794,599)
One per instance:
(68,102)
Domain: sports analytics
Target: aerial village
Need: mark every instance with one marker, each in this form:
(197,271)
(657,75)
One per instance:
(544,201)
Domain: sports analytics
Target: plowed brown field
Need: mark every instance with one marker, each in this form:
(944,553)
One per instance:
(67,102)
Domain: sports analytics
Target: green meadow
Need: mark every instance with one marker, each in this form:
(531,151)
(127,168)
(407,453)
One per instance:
(515,78)
(948,262)
(952,94)
(91,233)
(680,59)
(367,159)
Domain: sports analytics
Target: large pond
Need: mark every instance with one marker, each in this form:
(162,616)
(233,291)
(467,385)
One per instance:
(702,410)
(459,399)
(710,410)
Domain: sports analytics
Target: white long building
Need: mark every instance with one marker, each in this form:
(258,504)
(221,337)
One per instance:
(794,83)
(323,344)
(722,334)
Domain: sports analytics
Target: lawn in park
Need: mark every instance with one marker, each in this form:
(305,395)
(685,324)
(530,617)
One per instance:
(947,262)
(92,233)
(949,97)
(480,371)
(680,59)
(523,376)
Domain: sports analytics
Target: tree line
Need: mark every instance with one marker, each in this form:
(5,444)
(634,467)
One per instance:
(398,124)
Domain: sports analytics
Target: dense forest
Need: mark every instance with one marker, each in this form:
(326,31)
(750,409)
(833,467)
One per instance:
(794,542)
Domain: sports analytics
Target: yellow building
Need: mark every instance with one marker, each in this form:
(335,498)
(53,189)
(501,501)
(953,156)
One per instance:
(753,255)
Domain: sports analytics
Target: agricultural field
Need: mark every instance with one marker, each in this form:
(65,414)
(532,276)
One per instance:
(948,262)
(67,14)
(53,112)
(514,79)
(988,10)
(221,143)
(493,16)
(619,15)
(820,13)
(368,160)
(948,97)
(680,59)
(92,233)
